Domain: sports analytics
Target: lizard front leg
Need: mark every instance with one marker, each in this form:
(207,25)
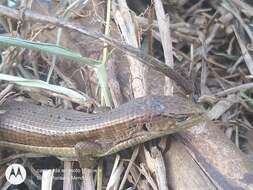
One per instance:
(86,152)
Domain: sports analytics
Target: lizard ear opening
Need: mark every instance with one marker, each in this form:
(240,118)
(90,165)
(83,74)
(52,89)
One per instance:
(146,126)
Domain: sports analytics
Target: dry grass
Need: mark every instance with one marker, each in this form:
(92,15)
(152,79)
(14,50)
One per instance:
(208,42)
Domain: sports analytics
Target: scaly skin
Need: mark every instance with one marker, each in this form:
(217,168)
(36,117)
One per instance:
(75,135)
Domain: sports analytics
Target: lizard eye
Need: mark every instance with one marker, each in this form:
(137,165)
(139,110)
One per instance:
(180,118)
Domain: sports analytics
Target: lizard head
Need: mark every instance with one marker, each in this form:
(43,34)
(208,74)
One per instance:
(173,113)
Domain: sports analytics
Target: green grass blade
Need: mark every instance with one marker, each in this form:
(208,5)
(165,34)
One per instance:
(56,90)
(49,48)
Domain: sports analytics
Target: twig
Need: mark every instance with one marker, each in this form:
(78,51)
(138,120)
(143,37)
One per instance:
(221,107)
(164,28)
(235,89)
(124,20)
(245,53)
(47,179)
(21,155)
(5,93)
(147,175)
(134,155)
(159,168)
(67,178)
(88,181)
(115,175)
(136,53)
